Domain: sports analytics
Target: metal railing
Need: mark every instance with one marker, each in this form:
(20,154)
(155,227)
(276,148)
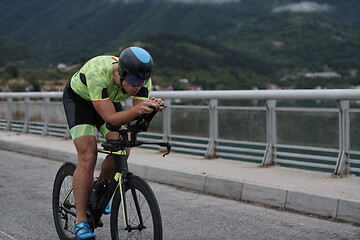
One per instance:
(267,130)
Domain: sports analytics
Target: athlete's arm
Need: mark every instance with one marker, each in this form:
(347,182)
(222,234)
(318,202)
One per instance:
(107,111)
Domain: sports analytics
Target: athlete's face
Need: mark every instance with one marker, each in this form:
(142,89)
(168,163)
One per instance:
(130,89)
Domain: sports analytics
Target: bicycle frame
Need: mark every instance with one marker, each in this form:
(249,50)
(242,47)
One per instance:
(119,179)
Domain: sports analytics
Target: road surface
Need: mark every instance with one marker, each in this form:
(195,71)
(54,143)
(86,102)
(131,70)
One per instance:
(25,211)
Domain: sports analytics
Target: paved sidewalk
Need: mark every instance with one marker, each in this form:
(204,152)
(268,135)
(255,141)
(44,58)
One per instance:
(300,190)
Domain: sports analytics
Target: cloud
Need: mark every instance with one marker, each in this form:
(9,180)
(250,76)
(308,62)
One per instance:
(206,1)
(181,1)
(184,1)
(126,1)
(304,7)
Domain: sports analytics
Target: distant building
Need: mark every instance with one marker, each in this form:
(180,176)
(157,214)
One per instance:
(61,66)
(4,87)
(193,88)
(57,88)
(184,80)
(277,43)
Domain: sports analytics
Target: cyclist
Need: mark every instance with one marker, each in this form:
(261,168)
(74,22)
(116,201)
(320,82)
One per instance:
(93,97)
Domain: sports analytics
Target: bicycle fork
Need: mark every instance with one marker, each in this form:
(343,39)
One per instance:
(122,182)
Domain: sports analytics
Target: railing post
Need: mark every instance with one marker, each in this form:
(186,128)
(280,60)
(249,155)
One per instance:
(46,114)
(9,103)
(342,165)
(26,115)
(271,135)
(213,128)
(167,120)
(67,132)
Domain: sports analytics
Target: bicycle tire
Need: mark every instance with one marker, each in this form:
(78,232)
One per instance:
(150,212)
(64,222)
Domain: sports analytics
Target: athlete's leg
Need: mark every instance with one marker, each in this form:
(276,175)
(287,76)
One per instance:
(108,165)
(81,116)
(84,174)
(107,169)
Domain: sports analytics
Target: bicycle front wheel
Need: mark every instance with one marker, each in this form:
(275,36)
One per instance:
(142,209)
(63,204)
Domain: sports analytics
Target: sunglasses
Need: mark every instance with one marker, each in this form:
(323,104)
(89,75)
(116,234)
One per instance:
(133,80)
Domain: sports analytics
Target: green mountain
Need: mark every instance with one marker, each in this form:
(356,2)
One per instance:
(254,40)
(11,50)
(205,64)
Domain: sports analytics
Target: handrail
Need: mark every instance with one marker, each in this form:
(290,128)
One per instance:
(293,94)
(211,148)
(31,94)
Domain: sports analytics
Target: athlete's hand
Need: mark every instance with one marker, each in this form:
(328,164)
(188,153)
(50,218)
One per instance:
(160,104)
(146,106)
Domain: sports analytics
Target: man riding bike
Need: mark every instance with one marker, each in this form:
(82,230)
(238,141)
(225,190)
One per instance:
(92,98)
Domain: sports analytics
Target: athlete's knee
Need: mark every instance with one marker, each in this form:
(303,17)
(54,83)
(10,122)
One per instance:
(112,135)
(86,149)
(88,157)
(108,165)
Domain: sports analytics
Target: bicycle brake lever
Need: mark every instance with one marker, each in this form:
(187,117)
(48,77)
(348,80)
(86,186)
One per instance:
(161,144)
(168,147)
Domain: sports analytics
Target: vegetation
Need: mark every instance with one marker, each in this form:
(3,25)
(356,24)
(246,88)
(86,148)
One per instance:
(20,80)
(227,46)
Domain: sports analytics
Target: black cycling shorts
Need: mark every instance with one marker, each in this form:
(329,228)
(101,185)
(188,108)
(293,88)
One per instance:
(82,116)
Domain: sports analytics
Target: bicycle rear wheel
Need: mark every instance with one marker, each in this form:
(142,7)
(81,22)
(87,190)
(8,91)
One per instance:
(63,198)
(143,212)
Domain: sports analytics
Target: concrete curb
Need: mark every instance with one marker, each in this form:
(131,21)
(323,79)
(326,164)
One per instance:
(309,203)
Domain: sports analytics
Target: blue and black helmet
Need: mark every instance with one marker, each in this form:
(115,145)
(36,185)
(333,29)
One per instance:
(137,61)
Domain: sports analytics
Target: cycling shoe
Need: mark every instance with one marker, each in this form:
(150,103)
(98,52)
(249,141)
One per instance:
(107,209)
(83,231)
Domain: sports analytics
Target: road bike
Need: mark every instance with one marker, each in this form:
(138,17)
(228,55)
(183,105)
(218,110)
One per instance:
(135,212)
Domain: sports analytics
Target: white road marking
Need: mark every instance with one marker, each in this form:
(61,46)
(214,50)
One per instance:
(7,235)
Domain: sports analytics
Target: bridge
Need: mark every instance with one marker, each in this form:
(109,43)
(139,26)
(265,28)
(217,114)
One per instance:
(307,136)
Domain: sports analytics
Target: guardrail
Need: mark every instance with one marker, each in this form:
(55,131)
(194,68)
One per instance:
(268,130)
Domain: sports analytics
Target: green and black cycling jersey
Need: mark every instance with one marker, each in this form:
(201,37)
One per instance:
(95,82)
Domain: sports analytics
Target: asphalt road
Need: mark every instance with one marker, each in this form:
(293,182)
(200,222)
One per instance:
(25,210)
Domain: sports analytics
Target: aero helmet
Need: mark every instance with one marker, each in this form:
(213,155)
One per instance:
(137,61)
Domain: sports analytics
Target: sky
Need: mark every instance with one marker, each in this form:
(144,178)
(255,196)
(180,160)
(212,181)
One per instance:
(205,1)
(185,1)
(301,6)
